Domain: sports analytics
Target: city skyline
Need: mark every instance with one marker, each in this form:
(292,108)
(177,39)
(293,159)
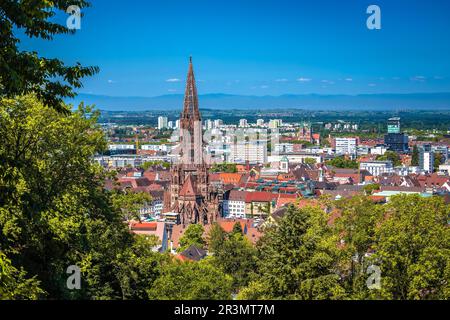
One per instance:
(264,48)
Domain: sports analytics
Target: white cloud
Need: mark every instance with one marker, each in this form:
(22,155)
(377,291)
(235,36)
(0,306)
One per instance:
(264,87)
(172,90)
(173,80)
(111,81)
(348,79)
(438,77)
(419,78)
(372,85)
(282,80)
(303,79)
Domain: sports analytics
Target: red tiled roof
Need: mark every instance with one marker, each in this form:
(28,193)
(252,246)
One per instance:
(147,226)
(260,196)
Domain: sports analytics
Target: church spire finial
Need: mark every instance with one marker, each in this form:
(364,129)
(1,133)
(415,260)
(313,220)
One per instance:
(190,105)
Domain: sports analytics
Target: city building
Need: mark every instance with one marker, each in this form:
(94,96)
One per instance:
(121,148)
(377,168)
(260,122)
(393,125)
(252,151)
(234,204)
(275,123)
(243,123)
(284,148)
(162,122)
(394,139)
(346,145)
(218,123)
(426,158)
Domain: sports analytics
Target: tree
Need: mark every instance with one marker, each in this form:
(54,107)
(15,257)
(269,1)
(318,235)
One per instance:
(354,229)
(297,258)
(54,210)
(370,188)
(130,203)
(341,162)
(233,254)
(224,167)
(14,284)
(139,266)
(192,236)
(310,161)
(415,156)
(149,164)
(191,281)
(216,237)
(390,156)
(237,229)
(412,248)
(438,160)
(26,72)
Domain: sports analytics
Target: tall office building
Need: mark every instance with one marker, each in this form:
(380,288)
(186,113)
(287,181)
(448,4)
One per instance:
(394,139)
(346,145)
(393,125)
(426,158)
(243,123)
(162,123)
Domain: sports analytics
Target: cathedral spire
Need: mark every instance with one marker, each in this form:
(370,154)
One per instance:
(190,105)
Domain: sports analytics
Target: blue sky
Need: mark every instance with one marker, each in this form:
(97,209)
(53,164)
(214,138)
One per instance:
(264,47)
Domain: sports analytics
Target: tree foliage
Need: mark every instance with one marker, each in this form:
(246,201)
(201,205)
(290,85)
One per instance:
(54,210)
(343,163)
(190,281)
(233,254)
(192,236)
(24,72)
(297,258)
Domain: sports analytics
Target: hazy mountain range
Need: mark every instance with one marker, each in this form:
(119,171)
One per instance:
(427,101)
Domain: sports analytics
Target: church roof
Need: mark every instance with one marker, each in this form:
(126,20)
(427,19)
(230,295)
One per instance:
(188,187)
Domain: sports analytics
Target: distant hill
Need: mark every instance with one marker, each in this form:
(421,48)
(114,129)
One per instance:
(429,101)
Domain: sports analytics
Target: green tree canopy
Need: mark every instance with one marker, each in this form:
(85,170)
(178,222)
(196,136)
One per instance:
(297,260)
(192,236)
(341,162)
(54,210)
(24,72)
(190,281)
(390,156)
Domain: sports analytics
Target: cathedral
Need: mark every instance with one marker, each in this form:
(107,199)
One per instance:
(191,194)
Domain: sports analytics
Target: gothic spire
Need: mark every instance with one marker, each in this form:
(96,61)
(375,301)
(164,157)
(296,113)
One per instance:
(190,106)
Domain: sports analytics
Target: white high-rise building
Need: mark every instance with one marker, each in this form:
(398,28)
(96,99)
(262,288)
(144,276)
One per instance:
(243,123)
(162,123)
(177,124)
(170,124)
(208,124)
(252,151)
(260,122)
(275,123)
(345,145)
(426,158)
(218,123)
